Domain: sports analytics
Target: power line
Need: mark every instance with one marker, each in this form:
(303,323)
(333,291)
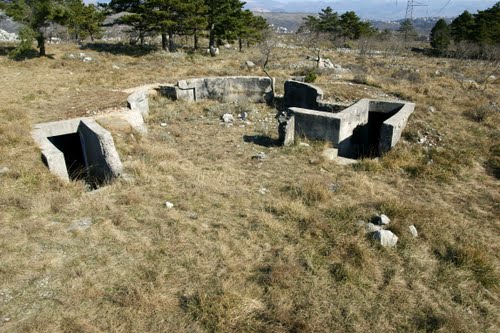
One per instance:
(410,6)
(442,8)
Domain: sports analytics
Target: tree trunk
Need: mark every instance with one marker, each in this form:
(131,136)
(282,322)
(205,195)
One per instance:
(171,42)
(211,42)
(141,38)
(196,39)
(41,44)
(240,42)
(164,41)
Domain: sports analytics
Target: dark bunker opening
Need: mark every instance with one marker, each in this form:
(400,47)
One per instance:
(71,146)
(365,139)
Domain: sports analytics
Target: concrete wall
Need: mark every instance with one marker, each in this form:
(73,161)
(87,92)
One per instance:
(101,158)
(347,129)
(139,101)
(97,145)
(392,128)
(302,95)
(252,89)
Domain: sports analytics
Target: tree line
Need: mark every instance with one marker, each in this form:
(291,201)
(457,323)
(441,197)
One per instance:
(219,20)
(482,29)
(345,26)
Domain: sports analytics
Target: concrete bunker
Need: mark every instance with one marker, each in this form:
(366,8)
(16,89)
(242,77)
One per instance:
(78,149)
(253,89)
(368,128)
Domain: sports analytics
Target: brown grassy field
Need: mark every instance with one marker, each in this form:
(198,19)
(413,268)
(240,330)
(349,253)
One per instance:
(230,257)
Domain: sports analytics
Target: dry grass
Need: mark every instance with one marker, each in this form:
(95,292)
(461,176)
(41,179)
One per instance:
(228,258)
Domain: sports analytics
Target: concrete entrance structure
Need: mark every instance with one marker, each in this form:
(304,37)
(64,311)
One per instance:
(254,89)
(367,128)
(78,149)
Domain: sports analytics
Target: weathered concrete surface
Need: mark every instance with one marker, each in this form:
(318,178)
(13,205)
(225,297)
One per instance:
(364,126)
(302,95)
(101,158)
(139,101)
(392,128)
(253,89)
(123,121)
(102,162)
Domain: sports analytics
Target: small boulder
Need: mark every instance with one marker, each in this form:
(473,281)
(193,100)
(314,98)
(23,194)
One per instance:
(3,169)
(381,219)
(80,225)
(330,154)
(249,64)
(260,156)
(169,205)
(413,231)
(227,118)
(385,238)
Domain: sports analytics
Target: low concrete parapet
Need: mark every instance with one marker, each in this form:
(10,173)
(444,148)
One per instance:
(78,149)
(139,101)
(254,89)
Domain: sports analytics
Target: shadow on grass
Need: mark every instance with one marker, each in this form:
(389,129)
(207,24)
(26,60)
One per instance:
(9,51)
(120,48)
(261,140)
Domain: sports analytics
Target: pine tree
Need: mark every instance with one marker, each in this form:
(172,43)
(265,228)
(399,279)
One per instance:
(36,16)
(137,15)
(487,26)
(84,20)
(440,35)
(350,24)
(222,20)
(462,28)
(406,28)
(251,28)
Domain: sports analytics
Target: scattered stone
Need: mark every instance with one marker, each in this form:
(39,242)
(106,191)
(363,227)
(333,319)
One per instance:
(4,170)
(330,154)
(7,36)
(260,156)
(298,78)
(163,124)
(82,55)
(87,59)
(80,225)
(303,144)
(386,238)
(381,219)
(263,190)
(325,63)
(71,56)
(243,116)
(169,205)
(360,223)
(249,64)
(227,118)
(6,319)
(115,67)
(370,227)
(413,231)
(432,109)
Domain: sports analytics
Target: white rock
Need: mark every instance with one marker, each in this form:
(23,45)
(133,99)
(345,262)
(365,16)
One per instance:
(81,224)
(169,205)
(260,156)
(87,59)
(385,238)
(432,109)
(227,118)
(249,64)
(413,231)
(330,154)
(82,55)
(163,124)
(263,190)
(303,144)
(4,170)
(370,227)
(381,219)
(115,67)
